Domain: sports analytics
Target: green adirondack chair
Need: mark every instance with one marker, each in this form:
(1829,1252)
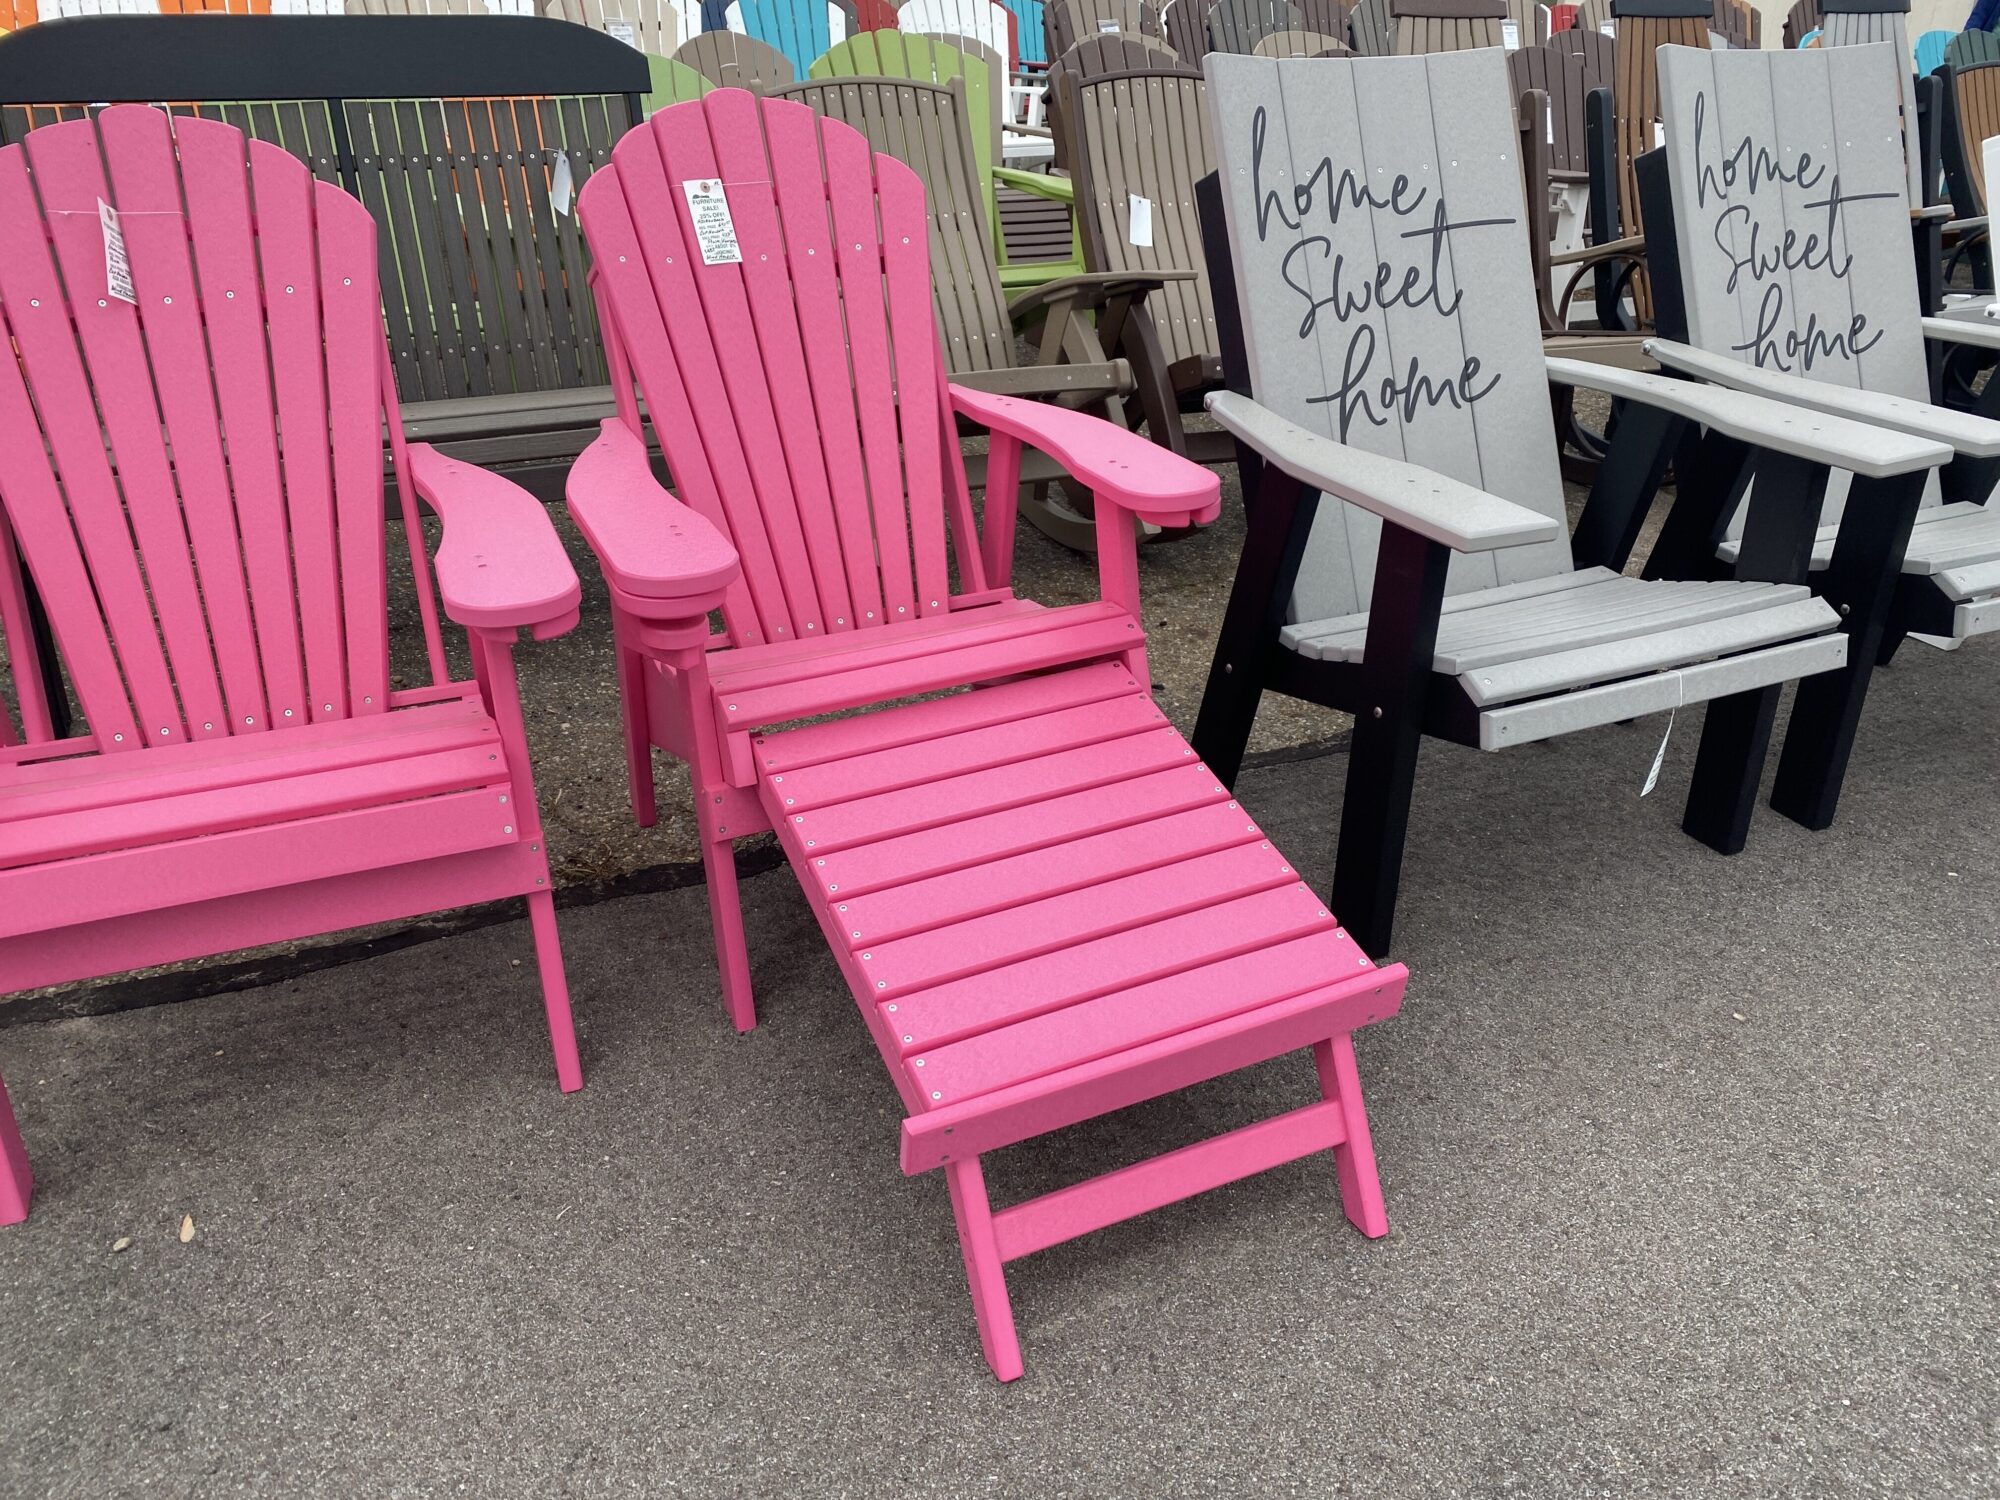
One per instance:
(900,54)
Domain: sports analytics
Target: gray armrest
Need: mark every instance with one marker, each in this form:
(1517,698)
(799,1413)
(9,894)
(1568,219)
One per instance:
(1972,326)
(1976,224)
(1465,519)
(1777,426)
(1965,433)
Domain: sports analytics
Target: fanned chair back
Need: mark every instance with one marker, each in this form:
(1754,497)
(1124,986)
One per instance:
(211,552)
(1801,19)
(1568,67)
(1973,118)
(1371,30)
(985,21)
(1300,44)
(1184,23)
(1239,25)
(1426,26)
(799,397)
(1071,21)
(800,29)
(1341,167)
(655,27)
(729,59)
(1143,133)
(925,125)
(1971,47)
(439,8)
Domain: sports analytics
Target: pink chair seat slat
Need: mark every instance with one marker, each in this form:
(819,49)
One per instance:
(82,783)
(1080,633)
(161,819)
(40,319)
(922,723)
(67,165)
(1129,1018)
(285,249)
(217,189)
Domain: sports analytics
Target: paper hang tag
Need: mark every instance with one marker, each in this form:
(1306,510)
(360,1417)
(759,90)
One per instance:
(117,269)
(625,31)
(714,230)
(1510,36)
(1108,26)
(1660,755)
(1141,231)
(1549,121)
(1659,133)
(562,182)
(1609,28)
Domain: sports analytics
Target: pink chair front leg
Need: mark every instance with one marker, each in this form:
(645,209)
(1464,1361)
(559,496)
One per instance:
(17,1183)
(1353,1158)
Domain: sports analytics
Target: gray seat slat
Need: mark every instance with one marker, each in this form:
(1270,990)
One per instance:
(1695,607)
(1975,582)
(1295,636)
(1658,651)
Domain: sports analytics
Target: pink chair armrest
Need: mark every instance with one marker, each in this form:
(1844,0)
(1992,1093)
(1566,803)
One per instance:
(650,546)
(500,565)
(1119,466)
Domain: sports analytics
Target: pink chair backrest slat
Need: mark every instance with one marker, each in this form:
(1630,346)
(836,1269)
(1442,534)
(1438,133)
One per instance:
(795,394)
(209,537)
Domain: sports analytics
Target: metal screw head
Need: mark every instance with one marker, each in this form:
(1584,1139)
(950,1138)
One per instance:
(937,1093)
(892,1010)
(507,828)
(920,1062)
(1377,711)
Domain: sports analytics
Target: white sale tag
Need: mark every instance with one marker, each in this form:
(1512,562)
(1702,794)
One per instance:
(1141,232)
(1549,121)
(1510,35)
(1660,755)
(117,269)
(1659,133)
(1107,26)
(1609,28)
(562,182)
(624,31)
(714,230)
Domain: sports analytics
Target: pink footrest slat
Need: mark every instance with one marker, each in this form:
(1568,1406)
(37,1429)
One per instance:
(1047,908)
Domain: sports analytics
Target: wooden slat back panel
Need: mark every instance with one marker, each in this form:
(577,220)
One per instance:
(1185,26)
(1800,19)
(1971,47)
(1636,97)
(1755,153)
(655,27)
(796,394)
(1854,28)
(1238,25)
(195,481)
(1328,17)
(923,125)
(1370,29)
(1071,21)
(1569,67)
(902,54)
(985,21)
(1340,176)
(800,29)
(1300,44)
(729,59)
(1976,109)
(1145,134)
(1426,26)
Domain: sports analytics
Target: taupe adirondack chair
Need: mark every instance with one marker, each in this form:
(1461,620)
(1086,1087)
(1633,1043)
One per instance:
(1524,25)
(1140,135)
(655,27)
(1092,58)
(1598,16)
(1742,25)
(1433,591)
(731,60)
(1300,44)
(1184,23)
(1238,25)
(1371,30)
(1427,26)
(927,127)
(1071,21)
(1840,332)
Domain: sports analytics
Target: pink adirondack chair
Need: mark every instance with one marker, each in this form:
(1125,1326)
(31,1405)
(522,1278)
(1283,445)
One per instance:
(1045,907)
(214,558)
